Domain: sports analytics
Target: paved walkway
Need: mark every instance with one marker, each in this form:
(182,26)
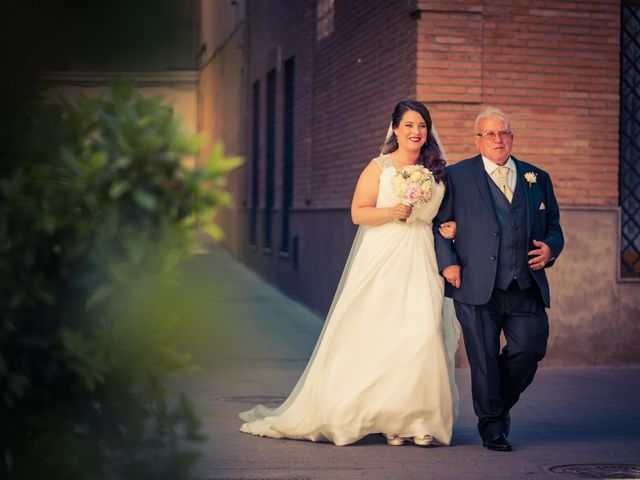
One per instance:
(253,343)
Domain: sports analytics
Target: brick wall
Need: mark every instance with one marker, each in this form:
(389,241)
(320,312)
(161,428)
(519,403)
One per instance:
(346,85)
(552,65)
(360,72)
(279,30)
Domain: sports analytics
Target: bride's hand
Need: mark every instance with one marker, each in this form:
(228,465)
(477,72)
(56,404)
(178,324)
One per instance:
(400,211)
(448,230)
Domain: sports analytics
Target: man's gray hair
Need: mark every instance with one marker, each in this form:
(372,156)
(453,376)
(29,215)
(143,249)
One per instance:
(489,111)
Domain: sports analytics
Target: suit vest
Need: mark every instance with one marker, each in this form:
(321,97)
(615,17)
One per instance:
(512,252)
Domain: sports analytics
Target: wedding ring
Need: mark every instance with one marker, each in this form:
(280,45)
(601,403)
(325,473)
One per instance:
(542,264)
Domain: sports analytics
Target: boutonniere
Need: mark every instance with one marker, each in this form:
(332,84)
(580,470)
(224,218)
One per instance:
(531,178)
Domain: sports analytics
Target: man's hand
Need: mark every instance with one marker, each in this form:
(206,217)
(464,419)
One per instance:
(540,256)
(448,230)
(452,275)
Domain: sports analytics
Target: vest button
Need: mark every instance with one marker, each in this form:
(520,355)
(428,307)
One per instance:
(493,257)
(496,234)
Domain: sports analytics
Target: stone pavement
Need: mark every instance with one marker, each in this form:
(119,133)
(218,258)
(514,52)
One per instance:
(253,343)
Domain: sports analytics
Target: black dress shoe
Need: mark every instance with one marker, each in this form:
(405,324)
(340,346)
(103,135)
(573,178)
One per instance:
(497,442)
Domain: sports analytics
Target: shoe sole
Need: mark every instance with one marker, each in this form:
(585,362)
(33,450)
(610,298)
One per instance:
(498,449)
(422,443)
(395,442)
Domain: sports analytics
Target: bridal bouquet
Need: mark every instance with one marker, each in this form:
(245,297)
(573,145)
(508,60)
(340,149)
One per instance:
(413,184)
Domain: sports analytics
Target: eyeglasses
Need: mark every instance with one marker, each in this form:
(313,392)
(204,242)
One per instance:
(495,135)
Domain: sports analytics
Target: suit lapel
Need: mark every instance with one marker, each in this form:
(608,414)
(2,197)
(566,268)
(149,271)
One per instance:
(480,177)
(528,193)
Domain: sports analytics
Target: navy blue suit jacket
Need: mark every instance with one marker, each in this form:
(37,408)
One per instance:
(468,201)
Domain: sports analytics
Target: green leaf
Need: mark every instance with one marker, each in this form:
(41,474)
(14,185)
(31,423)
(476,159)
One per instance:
(118,188)
(221,166)
(98,160)
(45,297)
(145,199)
(214,231)
(99,295)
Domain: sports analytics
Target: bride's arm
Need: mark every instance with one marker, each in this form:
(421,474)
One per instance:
(363,206)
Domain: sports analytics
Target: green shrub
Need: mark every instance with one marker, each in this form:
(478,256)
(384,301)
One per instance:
(96,214)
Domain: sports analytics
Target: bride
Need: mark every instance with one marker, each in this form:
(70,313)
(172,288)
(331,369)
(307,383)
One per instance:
(384,362)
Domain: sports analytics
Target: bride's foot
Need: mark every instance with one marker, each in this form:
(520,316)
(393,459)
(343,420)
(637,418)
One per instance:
(423,440)
(395,440)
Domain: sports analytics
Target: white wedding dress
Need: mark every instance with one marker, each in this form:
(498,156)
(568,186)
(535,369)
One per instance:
(384,362)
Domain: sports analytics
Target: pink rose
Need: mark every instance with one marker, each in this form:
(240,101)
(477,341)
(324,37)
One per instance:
(412,194)
(426,195)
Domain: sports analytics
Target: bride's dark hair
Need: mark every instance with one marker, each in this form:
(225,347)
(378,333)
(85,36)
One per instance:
(430,154)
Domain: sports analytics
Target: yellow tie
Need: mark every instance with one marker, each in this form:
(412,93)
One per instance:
(501,174)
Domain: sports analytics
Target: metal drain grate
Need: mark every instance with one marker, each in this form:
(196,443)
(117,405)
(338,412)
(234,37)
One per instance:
(598,471)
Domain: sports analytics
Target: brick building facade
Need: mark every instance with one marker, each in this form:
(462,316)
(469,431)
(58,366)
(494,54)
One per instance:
(321,78)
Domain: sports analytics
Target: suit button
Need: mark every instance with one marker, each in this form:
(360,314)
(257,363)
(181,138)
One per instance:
(493,257)
(496,234)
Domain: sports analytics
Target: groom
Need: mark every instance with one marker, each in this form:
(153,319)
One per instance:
(508,232)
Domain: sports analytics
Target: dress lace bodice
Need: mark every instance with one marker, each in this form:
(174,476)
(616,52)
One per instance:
(422,213)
